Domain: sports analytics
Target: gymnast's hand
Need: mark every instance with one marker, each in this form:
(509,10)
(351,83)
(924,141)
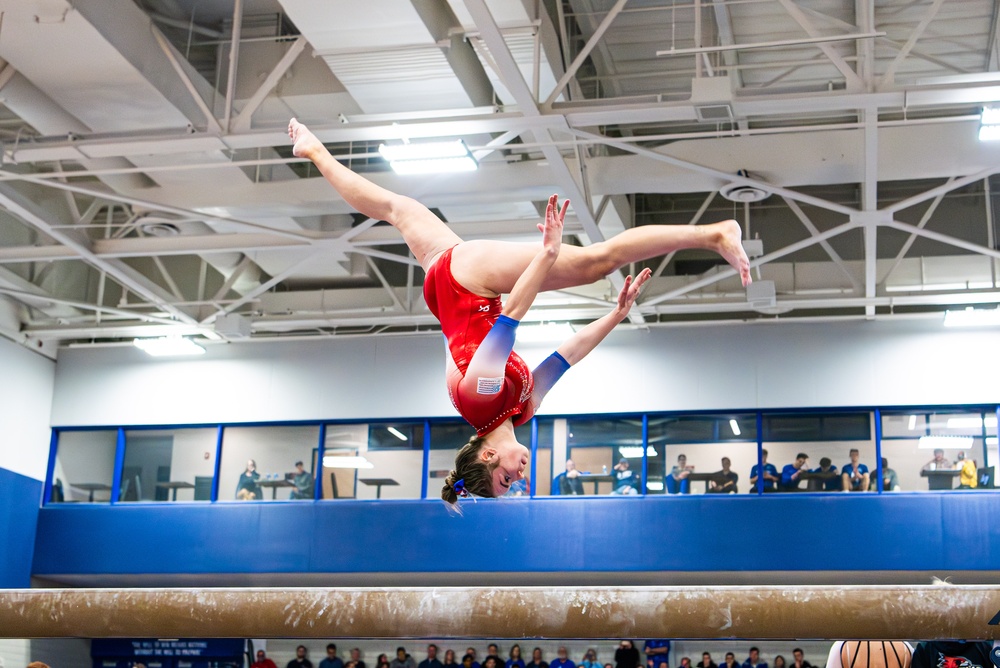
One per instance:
(552,230)
(630,291)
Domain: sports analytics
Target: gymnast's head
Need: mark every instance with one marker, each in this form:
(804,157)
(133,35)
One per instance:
(486,466)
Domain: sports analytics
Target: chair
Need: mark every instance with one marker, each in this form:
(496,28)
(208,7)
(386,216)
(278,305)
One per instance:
(57,492)
(985,475)
(333,487)
(123,492)
(203,488)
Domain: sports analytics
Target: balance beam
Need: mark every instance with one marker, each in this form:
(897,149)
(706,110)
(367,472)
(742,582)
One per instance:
(848,612)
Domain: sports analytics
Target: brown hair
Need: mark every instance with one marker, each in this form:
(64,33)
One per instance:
(477,475)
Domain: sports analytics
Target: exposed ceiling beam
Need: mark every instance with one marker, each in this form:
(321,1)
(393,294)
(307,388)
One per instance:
(890,73)
(242,121)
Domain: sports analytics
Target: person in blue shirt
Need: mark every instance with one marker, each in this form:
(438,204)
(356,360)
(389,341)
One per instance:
(753,661)
(515,660)
(657,653)
(770,474)
(677,479)
(626,481)
(831,481)
(562,660)
(854,476)
(431,661)
(791,473)
(331,660)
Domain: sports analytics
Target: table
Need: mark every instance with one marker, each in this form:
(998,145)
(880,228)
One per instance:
(940,479)
(175,485)
(704,477)
(92,487)
(596,478)
(275,484)
(815,479)
(378,483)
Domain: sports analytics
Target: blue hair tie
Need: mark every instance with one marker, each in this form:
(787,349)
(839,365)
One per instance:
(459,487)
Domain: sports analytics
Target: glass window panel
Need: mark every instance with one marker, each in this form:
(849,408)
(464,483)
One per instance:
(259,463)
(926,448)
(394,461)
(341,452)
(822,436)
(606,451)
(169,464)
(703,441)
(85,466)
(447,438)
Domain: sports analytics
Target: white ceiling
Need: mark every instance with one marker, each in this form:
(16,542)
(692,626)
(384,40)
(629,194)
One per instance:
(141,193)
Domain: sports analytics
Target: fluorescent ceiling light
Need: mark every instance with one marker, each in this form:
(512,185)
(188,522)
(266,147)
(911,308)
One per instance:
(544,333)
(972,317)
(429,157)
(397,433)
(991,116)
(989,132)
(971,422)
(655,485)
(635,451)
(169,346)
(336,462)
(735,426)
(945,442)
(912,424)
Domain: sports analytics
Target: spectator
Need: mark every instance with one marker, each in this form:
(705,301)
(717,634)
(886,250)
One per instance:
(515,660)
(854,476)
(657,653)
(431,661)
(890,481)
(468,661)
(536,659)
(568,482)
(331,660)
(300,660)
(730,661)
(626,656)
(402,660)
(779,661)
(791,473)
(706,661)
(305,488)
(562,660)
(799,659)
(382,661)
(725,480)
(449,659)
(472,652)
(356,658)
(939,463)
(753,661)
(590,659)
(262,661)
(491,661)
(829,480)
(685,662)
(247,488)
(677,480)
(770,476)
(968,476)
(626,482)
(494,651)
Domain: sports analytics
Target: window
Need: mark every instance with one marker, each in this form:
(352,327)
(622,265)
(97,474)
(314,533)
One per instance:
(261,463)
(85,466)
(169,464)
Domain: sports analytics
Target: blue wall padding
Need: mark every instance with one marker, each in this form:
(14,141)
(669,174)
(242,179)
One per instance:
(19,499)
(800,532)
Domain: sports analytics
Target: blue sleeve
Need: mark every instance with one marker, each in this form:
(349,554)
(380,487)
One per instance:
(786,474)
(546,375)
(490,359)
(862,468)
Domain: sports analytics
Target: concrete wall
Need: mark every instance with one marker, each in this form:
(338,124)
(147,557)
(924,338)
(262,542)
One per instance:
(25,405)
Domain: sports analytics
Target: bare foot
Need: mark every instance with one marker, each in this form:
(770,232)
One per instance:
(306,143)
(730,247)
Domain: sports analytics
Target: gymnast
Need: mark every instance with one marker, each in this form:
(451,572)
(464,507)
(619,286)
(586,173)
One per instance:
(489,384)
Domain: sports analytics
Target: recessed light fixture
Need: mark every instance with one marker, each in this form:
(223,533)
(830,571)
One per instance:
(429,157)
(168,346)
(735,426)
(338,462)
(972,317)
(989,124)
(635,451)
(945,442)
(397,433)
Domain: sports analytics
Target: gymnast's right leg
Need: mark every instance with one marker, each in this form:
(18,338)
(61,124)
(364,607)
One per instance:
(425,234)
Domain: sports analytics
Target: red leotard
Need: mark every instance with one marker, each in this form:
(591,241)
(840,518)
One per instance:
(466,319)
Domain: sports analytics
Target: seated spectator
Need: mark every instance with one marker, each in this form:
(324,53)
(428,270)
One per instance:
(494,651)
(515,660)
(968,477)
(247,488)
(770,474)
(472,653)
(305,488)
(358,663)
(469,662)
(753,661)
(331,660)
(382,661)
(449,659)
(402,660)
(300,660)
(730,661)
(831,481)
(568,482)
(626,656)
(677,479)
(890,481)
(779,661)
(854,476)
(562,659)
(491,661)
(590,659)
(536,659)
(657,653)
(262,661)
(685,662)
(725,480)
(626,481)
(939,463)
(791,474)
(799,659)
(431,661)
(706,661)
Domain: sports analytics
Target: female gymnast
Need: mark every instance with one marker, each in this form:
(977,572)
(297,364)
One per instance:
(490,386)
